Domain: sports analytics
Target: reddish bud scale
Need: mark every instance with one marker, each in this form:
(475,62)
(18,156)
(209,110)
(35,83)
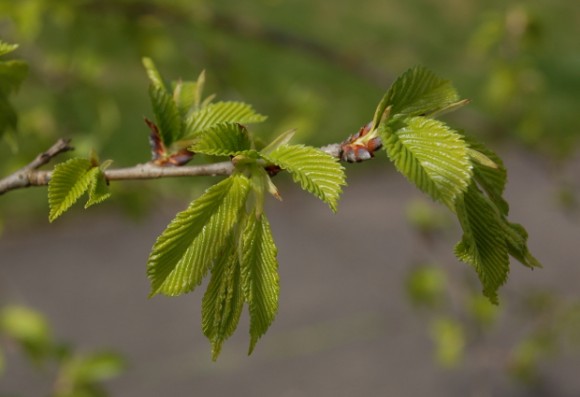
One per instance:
(355,149)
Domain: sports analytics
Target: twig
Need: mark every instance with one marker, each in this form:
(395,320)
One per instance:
(24,176)
(30,175)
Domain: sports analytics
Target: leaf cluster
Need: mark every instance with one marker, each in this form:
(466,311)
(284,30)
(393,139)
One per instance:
(454,169)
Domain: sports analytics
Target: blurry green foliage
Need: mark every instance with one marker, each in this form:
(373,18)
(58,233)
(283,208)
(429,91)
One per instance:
(77,375)
(449,338)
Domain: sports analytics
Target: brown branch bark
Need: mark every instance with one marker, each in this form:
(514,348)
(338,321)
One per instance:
(30,175)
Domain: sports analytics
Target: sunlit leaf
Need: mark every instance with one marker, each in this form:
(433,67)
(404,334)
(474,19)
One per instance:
(69,181)
(259,276)
(222,112)
(166,114)
(224,139)
(417,92)
(431,155)
(316,171)
(183,253)
(223,300)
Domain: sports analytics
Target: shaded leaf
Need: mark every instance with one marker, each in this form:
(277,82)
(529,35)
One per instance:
(222,112)
(183,253)
(483,244)
(431,155)
(69,181)
(260,278)
(166,115)
(316,171)
(223,300)
(8,117)
(98,189)
(224,139)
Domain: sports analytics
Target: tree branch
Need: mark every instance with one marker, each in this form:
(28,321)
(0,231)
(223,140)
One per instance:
(30,175)
(25,176)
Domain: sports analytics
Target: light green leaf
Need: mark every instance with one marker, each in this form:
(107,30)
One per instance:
(431,155)
(223,301)
(6,48)
(281,140)
(29,328)
(12,74)
(69,181)
(183,253)
(93,368)
(166,114)
(222,112)
(224,139)
(153,74)
(185,96)
(98,189)
(259,276)
(449,337)
(417,92)
(483,244)
(316,171)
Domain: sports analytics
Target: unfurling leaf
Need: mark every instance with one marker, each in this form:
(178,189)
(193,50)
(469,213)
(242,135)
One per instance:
(225,139)
(153,74)
(6,48)
(98,189)
(184,252)
(223,300)
(316,171)
(429,154)
(259,276)
(221,112)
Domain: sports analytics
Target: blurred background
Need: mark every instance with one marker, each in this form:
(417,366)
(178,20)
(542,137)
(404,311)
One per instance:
(373,301)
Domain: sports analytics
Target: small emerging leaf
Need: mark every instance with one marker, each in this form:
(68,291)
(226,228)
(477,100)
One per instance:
(98,189)
(259,276)
(316,171)
(166,114)
(153,74)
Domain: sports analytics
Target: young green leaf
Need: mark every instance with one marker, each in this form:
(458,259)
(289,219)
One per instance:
(224,139)
(316,171)
(153,74)
(431,155)
(185,97)
(223,300)
(221,112)
(483,244)
(6,48)
(69,181)
(259,276)
(98,189)
(417,92)
(517,244)
(166,114)
(183,253)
